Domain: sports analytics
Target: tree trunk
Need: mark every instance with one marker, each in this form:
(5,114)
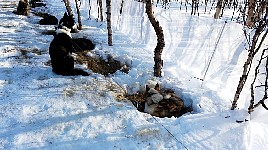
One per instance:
(195,6)
(121,7)
(100,9)
(219,9)
(89,9)
(250,19)
(69,9)
(260,10)
(78,14)
(160,39)
(109,23)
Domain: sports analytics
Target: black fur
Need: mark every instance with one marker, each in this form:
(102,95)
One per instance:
(82,44)
(49,20)
(22,8)
(60,53)
(68,22)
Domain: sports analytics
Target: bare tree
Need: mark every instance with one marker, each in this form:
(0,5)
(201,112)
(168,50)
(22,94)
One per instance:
(100,10)
(250,18)
(121,7)
(219,9)
(71,15)
(109,23)
(69,9)
(265,85)
(261,9)
(77,4)
(195,6)
(89,9)
(254,47)
(160,39)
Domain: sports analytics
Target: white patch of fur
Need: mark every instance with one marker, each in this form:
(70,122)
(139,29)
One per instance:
(65,30)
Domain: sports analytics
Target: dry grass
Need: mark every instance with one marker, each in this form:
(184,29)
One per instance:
(138,97)
(98,65)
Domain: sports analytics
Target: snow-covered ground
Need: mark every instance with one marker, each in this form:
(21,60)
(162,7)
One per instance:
(42,110)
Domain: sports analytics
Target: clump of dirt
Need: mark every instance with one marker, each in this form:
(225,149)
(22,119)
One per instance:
(159,103)
(99,65)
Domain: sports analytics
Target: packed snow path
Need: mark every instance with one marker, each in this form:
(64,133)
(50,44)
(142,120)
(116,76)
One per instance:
(41,110)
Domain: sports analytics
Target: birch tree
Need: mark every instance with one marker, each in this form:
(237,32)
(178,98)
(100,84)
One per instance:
(77,4)
(219,9)
(250,18)
(70,14)
(100,10)
(89,9)
(160,39)
(68,8)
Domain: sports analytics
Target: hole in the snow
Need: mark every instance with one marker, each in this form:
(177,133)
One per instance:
(159,102)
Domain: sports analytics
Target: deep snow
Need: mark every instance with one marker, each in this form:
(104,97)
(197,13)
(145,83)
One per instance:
(41,110)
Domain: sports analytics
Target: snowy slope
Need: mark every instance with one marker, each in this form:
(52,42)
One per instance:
(41,110)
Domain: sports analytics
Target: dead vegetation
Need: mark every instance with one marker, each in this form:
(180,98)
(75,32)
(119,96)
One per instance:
(99,65)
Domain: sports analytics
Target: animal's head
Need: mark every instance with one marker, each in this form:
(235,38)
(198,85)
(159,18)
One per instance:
(67,21)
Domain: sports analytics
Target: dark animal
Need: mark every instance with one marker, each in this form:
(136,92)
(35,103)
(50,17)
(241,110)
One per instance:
(69,22)
(49,20)
(60,51)
(82,44)
(23,8)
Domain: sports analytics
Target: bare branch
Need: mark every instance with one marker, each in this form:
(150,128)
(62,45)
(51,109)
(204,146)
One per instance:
(254,48)
(251,106)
